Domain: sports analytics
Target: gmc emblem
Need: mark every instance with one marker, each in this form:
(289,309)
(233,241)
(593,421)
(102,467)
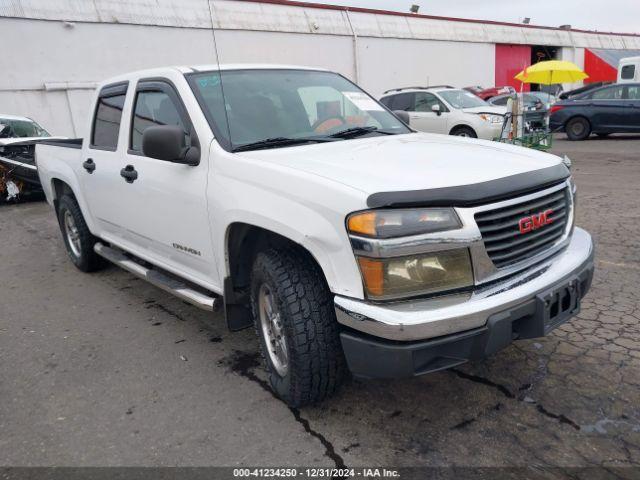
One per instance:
(536,221)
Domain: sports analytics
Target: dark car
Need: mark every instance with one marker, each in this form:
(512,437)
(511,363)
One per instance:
(609,109)
(584,89)
(531,102)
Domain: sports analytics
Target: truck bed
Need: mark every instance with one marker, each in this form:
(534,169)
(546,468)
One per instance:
(17,158)
(59,156)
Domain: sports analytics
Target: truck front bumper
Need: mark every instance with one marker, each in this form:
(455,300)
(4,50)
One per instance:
(415,337)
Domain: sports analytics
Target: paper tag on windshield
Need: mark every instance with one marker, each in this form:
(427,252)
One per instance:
(363,101)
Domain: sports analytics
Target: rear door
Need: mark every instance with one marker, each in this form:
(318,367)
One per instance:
(102,159)
(608,109)
(633,96)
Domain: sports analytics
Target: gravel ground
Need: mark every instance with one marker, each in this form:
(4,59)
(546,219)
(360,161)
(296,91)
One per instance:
(104,370)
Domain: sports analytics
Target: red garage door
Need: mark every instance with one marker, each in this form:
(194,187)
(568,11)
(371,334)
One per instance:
(511,60)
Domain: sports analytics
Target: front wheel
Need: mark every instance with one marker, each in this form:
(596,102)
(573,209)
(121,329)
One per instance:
(464,132)
(296,324)
(578,128)
(77,238)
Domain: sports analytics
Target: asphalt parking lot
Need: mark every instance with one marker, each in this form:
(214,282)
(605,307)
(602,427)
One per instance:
(103,369)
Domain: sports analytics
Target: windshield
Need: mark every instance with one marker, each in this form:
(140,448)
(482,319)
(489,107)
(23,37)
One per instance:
(11,128)
(303,105)
(462,99)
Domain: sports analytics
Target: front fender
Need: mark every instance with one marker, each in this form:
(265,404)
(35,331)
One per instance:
(305,209)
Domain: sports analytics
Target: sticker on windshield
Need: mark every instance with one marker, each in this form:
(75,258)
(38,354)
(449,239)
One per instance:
(363,101)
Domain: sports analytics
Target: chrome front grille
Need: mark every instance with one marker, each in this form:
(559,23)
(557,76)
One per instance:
(503,241)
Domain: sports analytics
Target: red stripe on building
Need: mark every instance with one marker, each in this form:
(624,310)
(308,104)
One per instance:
(597,69)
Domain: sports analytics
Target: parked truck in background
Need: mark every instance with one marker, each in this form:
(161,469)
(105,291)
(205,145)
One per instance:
(629,70)
(350,241)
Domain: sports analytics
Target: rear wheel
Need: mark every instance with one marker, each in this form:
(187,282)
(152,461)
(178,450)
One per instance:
(77,238)
(578,128)
(296,324)
(464,132)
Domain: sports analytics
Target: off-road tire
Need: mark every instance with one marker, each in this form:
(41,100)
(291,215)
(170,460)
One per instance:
(316,365)
(87,260)
(577,128)
(464,132)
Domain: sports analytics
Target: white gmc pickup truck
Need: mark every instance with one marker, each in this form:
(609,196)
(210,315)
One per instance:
(313,212)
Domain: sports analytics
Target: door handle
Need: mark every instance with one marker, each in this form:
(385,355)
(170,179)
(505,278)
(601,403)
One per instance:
(89,165)
(129,173)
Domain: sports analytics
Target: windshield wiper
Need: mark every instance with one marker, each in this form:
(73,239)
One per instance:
(280,142)
(358,131)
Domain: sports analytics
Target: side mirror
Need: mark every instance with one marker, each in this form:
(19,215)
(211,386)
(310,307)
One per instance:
(436,109)
(166,142)
(402,115)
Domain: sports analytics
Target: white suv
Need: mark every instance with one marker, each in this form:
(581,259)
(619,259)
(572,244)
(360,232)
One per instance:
(447,110)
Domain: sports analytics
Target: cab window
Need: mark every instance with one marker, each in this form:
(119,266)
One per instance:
(155,108)
(108,115)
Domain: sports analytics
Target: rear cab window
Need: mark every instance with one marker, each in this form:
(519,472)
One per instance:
(108,116)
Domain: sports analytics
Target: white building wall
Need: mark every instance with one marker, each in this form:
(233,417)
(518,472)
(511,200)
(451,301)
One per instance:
(392,63)
(334,52)
(42,53)
(53,51)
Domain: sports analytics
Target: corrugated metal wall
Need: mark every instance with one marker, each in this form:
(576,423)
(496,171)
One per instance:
(55,50)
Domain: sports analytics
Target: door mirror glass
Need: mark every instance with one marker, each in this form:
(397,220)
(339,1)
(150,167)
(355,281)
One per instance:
(167,142)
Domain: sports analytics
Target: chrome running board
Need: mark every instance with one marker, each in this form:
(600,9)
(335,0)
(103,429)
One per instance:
(158,279)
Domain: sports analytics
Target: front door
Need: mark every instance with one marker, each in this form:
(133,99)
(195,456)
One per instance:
(423,117)
(169,218)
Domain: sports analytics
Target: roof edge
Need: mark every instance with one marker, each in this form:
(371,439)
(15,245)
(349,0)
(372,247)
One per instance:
(325,6)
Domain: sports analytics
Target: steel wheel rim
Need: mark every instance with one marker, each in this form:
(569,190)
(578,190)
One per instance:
(577,128)
(272,330)
(72,234)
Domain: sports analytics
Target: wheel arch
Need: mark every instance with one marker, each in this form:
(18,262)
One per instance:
(61,186)
(460,126)
(243,242)
(58,189)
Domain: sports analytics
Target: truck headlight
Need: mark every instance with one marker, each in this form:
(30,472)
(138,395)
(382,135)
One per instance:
(388,278)
(402,222)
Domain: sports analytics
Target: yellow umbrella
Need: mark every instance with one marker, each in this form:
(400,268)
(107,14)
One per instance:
(551,72)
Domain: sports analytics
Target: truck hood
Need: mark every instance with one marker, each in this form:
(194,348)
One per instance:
(416,161)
